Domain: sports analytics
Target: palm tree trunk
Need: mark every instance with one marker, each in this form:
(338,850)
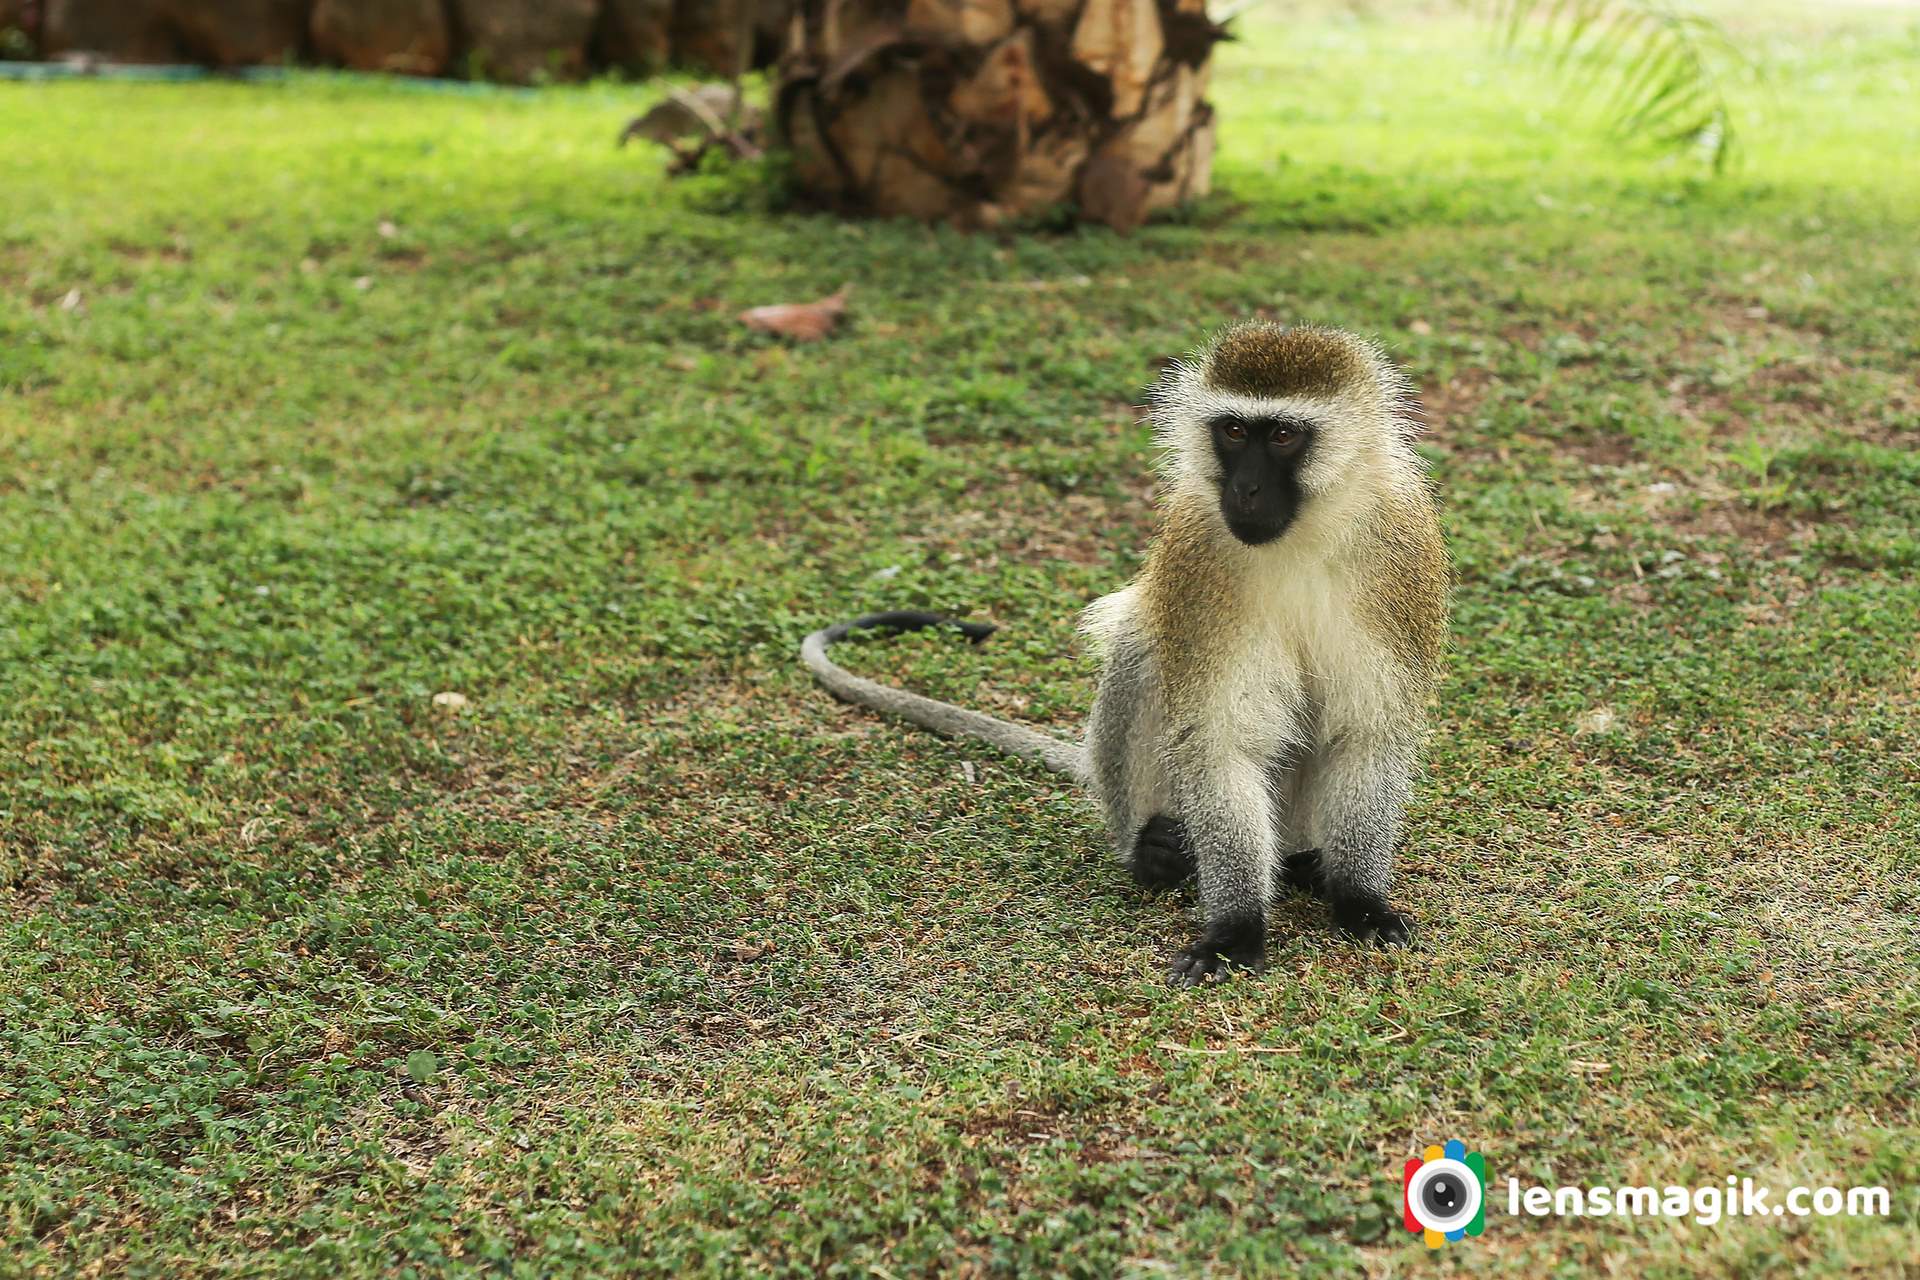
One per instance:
(974,111)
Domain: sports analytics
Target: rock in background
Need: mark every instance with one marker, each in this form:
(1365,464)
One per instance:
(515,40)
(19,28)
(118,30)
(635,35)
(412,37)
(221,33)
(240,33)
(519,42)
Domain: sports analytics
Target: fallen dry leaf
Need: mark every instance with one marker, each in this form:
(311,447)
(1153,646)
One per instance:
(751,949)
(1596,720)
(801,321)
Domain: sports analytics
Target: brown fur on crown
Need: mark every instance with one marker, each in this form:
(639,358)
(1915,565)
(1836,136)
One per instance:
(1259,358)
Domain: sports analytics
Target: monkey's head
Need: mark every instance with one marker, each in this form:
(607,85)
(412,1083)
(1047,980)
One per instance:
(1274,419)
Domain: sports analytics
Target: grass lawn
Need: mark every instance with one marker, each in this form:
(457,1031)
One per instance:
(318,399)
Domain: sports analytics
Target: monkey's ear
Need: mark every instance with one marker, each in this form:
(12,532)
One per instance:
(1175,372)
(1397,394)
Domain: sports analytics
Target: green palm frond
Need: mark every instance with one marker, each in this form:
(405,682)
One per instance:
(1660,73)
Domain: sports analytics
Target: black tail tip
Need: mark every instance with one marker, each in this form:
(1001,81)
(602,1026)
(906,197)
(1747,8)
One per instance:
(916,620)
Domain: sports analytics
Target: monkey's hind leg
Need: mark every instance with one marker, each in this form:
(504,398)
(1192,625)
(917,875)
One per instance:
(1358,916)
(1292,789)
(1358,795)
(1162,856)
(1124,749)
(1228,810)
(1300,872)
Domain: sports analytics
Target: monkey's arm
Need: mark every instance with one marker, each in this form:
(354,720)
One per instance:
(1359,793)
(929,713)
(1222,796)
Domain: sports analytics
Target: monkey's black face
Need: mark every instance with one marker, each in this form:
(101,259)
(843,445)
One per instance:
(1259,474)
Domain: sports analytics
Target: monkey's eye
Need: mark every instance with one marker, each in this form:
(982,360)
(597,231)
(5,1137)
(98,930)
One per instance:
(1284,435)
(1231,430)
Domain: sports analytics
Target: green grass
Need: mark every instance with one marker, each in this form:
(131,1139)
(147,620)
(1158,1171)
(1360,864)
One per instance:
(653,958)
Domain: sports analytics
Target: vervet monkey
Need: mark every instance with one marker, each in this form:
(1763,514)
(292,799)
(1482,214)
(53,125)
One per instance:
(1264,678)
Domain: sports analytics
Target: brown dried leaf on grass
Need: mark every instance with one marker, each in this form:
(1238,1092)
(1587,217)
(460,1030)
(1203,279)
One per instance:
(801,321)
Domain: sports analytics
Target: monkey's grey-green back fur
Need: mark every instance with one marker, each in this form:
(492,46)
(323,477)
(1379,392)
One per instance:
(942,717)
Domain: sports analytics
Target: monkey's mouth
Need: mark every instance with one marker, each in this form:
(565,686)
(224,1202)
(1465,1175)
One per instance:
(1256,529)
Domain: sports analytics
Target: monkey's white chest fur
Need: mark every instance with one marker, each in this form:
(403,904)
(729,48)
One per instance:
(1297,665)
(1304,668)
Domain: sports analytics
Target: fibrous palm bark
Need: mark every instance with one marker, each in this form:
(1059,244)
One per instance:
(973,111)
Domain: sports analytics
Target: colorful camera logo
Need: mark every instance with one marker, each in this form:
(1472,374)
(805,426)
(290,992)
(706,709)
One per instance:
(1445,1193)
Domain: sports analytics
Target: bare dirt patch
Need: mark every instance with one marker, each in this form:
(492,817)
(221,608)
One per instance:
(1773,530)
(1449,406)
(1076,528)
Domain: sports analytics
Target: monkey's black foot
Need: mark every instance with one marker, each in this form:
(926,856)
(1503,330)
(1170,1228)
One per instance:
(1371,920)
(1301,873)
(1161,858)
(1237,944)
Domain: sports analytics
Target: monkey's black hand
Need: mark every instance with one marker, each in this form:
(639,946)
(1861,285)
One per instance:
(1162,857)
(1302,871)
(1227,947)
(1372,920)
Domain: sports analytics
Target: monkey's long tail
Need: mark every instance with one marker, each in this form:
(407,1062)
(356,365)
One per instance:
(941,717)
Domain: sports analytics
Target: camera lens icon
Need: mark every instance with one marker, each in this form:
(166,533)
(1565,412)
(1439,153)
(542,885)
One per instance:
(1445,1193)
(1444,1196)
